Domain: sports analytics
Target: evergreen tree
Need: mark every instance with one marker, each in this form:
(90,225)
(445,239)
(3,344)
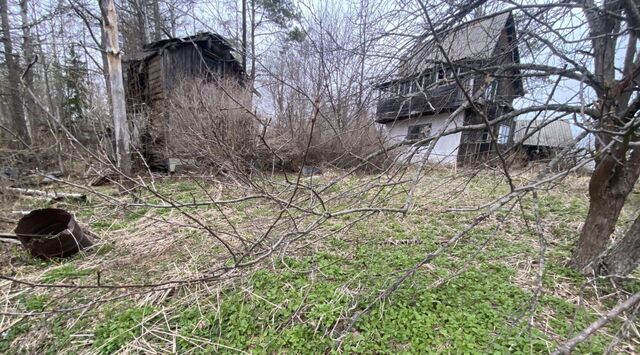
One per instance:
(76,92)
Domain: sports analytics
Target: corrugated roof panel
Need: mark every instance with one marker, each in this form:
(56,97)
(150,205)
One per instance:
(552,134)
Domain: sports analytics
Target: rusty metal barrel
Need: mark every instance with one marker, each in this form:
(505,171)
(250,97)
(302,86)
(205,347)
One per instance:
(50,233)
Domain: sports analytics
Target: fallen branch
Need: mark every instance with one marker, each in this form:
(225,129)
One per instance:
(9,238)
(20,213)
(606,318)
(56,196)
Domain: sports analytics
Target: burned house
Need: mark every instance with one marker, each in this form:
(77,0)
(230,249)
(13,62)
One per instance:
(541,140)
(425,93)
(152,77)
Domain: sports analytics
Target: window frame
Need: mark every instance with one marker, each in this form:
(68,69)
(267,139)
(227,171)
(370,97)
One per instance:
(504,132)
(491,91)
(424,131)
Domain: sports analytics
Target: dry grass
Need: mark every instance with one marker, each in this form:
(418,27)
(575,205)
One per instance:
(146,246)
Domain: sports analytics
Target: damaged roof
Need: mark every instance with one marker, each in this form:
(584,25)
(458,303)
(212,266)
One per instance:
(202,39)
(197,38)
(473,40)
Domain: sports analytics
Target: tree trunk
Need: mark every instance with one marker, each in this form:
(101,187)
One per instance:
(45,69)
(598,226)
(244,36)
(625,255)
(173,19)
(616,170)
(157,21)
(252,76)
(119,114)
(13,74)
(105,66)
(610,184)
(144,27)
(27,50)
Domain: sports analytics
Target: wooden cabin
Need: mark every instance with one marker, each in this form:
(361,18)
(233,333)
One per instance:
(420,100)
(152,77)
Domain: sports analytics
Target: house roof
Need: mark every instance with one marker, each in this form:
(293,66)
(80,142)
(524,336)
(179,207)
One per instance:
(547,134)
(156,48)
(199,37)
(475,40)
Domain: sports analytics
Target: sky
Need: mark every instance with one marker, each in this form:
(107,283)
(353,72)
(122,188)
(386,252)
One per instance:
(396,22)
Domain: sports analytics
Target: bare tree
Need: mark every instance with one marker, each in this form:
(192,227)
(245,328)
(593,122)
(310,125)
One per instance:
(321,113)
(157,20)
(616,118)
(13,74)
(120,125)
(28,55)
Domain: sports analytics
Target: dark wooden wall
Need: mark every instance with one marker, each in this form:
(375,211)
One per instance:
(150,83)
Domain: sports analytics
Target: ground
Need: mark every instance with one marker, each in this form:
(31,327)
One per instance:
(480,296)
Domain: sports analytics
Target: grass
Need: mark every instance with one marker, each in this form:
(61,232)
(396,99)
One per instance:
(118,327)
(64,272)
(475,298)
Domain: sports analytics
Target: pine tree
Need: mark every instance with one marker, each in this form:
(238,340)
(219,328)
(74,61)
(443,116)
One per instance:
(75,96)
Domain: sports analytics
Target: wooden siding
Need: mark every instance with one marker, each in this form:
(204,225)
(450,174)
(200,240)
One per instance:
(151,80)
(476,147)
(442,98)
(487,42)
(508,88)
(155,78)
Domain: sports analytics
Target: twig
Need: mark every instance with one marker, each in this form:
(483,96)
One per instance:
(56,196)
(593,327)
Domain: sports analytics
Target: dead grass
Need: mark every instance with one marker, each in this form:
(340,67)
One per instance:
(157,245)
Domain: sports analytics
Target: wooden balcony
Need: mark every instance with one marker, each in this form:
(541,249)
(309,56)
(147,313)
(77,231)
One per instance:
(442,98)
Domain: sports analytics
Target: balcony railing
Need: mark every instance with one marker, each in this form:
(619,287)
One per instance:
(442,98)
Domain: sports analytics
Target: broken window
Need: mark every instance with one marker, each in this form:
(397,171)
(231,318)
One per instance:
(503,134)
(386,92)
(414,86)
(403,88)
(490,91)
(450,74)
(389,91)
(417,132)
(427,81)
(485,137)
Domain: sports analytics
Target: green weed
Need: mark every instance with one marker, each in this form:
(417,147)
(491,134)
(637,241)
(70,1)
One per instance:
(66,271)
(119,328)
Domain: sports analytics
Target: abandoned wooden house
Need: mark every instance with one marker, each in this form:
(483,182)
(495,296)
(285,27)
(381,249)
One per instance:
(420,100)
(541,140)
(152,77)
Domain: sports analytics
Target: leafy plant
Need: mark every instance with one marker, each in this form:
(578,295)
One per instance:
(119,328)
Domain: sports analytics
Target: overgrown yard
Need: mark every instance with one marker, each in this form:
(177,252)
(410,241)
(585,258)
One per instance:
(482,295)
